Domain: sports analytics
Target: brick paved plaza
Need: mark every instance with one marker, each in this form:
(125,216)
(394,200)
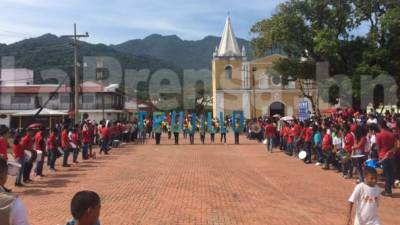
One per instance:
(199,184)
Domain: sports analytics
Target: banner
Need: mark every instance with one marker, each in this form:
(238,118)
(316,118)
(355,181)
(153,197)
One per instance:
(173,120)
(303,111)
(241,121)
(194,122)
(202,122)
(209,122)
(158,118)
(221,121)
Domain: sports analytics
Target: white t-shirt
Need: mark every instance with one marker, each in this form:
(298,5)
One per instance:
(371,121)
(366,200)
(372,140)
(337,141)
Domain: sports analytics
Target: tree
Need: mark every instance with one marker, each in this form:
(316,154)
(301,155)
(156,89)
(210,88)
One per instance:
(313,31)
(310,30)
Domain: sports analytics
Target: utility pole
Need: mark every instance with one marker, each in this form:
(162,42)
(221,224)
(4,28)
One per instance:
(76,76)
(253,70)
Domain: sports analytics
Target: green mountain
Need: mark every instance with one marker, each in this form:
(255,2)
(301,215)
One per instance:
(49,51)
(185,54)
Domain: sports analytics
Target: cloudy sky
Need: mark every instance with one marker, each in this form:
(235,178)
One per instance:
(115,21)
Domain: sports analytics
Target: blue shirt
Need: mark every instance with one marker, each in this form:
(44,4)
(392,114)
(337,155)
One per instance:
(317,138)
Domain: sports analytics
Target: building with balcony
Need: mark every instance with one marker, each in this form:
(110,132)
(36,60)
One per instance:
(96,99)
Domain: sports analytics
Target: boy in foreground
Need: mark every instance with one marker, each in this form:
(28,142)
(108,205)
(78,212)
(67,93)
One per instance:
(85,208)
(366,198)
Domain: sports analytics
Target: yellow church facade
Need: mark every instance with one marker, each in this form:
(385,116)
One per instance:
(251,86)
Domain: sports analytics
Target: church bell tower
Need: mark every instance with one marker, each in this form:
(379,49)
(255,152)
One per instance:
(227,71)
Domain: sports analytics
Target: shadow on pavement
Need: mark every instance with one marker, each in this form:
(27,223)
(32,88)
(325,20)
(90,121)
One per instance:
(38,192)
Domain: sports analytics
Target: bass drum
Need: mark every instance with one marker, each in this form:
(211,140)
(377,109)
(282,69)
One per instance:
(28,155)
(13,168)
(255,128)
(343,156)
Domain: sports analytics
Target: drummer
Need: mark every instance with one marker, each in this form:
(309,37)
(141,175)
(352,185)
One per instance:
(40,148)
(348,148)
(26,142)
(19,155)
(358,152)
(337,148)
(4,142)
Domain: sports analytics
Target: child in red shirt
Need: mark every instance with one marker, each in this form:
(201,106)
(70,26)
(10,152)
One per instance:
(65,146)
(19,155)
(52,148)
(75,145)
(4,142)
(86,139)
(327,149)
(348,147)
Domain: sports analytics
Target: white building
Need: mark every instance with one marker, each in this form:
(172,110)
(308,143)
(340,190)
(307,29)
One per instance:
(97,100)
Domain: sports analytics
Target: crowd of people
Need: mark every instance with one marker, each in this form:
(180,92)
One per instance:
(348,142)
(37,146)
(344,141)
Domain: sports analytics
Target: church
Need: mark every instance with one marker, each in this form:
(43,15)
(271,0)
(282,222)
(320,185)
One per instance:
(251,85)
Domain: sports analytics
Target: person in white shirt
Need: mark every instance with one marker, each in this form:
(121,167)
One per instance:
(372,119)
(366,198)
(12,210)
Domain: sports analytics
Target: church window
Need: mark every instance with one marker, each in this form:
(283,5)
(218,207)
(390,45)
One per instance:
(228,72)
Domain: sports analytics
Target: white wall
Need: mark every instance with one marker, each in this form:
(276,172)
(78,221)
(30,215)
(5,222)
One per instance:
(16,77)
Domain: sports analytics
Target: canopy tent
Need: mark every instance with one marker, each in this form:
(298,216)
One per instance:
(45,117)
(44,112)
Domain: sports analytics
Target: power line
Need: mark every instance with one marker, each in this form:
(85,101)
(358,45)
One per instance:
(8,31)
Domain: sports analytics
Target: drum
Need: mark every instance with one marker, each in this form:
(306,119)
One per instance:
(302,154)
(73,146)
(13,168)
(357,156)
(265,141)
(374,163)
(343,156)
(59,152)
(39,155)
(28,155)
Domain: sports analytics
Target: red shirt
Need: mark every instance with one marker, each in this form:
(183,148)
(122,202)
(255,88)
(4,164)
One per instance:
(296,130)
(64,139)
(348,142)
(270,130)
(18,151)
(326,142)
(293,132)
(308,134)
(86,136)
(3,148)
(285,131)
(290,140)
(51,142)
(37,140)
(74,138)
(104,133)
(26,142)
(361,144)
(385,141)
